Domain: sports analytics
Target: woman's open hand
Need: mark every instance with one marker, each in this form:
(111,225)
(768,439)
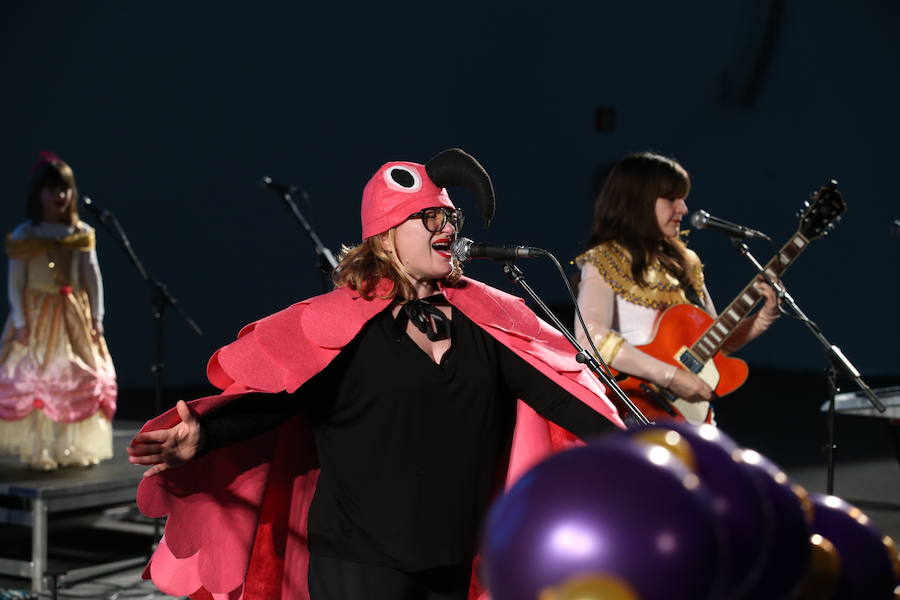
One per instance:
(167,448)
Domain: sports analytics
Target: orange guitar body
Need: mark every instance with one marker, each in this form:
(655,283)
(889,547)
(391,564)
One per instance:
(681,326)
(676,330)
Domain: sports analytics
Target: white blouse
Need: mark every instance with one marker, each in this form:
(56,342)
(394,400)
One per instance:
(604,310)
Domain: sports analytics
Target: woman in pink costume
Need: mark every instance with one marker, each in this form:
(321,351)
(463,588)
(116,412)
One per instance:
(361,434)
(57,382)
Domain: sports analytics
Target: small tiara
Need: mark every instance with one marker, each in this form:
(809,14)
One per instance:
(45,157)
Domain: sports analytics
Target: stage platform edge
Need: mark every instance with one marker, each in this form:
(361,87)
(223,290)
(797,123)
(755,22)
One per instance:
(92,502)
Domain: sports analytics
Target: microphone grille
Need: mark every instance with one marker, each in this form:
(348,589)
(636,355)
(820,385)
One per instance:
(460,248)
(699,219)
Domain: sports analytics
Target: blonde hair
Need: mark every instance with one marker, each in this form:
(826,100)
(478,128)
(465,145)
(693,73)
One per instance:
(362,267)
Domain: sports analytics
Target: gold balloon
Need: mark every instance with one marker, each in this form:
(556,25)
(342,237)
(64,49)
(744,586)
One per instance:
(590,587)
(672,441)
(806,502)
(824,571)
(891,547)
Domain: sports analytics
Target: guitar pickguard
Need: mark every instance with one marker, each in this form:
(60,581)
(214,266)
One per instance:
(696,412)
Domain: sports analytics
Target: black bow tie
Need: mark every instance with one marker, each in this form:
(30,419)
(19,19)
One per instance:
(426,317)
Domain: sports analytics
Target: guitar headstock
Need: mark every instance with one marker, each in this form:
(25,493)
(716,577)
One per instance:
(822,211)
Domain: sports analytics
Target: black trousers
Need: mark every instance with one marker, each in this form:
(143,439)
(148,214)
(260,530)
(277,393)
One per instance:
(336,579)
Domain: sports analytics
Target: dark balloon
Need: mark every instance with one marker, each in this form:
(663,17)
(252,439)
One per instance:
(738,498)
(788,560)
(867,569)
(611,511)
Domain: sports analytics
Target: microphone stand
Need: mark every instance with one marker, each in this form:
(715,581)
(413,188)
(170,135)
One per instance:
(836,360)
(582,356)
(161,298)
(327,262)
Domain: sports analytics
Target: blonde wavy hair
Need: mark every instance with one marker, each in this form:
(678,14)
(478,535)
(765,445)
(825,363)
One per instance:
(362,267)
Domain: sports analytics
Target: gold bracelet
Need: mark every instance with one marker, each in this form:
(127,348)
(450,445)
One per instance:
(609,346)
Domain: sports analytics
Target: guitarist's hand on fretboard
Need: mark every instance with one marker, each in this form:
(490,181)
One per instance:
(753,327)
(771,309)
(688,386)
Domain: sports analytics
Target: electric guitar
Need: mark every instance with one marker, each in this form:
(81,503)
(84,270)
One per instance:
(689,338)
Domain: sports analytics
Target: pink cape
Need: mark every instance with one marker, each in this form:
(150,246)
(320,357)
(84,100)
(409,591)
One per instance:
(236,525)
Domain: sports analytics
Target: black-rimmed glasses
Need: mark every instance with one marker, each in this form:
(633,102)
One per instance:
(435,219)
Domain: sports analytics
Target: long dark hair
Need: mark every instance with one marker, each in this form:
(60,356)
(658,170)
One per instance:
(625,212)
(50,171)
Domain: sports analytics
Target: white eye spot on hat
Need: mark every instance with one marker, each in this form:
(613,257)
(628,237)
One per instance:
(403,179)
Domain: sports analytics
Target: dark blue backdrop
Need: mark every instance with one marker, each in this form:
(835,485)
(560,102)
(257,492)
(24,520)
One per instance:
(171,111)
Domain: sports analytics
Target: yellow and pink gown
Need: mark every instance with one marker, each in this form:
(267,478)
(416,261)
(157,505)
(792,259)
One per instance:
(57,391)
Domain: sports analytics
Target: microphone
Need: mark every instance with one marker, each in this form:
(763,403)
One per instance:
(266,183)
(101,213)
(464,249)
(703,220)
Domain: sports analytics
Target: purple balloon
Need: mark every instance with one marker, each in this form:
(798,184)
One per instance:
(609,508)
(738,499)
(866,567)
(788,559)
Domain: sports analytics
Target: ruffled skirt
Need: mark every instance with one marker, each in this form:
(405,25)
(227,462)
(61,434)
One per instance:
(58,391)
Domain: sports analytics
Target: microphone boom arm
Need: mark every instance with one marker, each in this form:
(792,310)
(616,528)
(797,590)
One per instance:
(836,360)
(703,220)
(326,257)
(109,222)
(582,356)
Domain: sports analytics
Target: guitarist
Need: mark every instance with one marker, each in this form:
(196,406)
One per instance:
(637,266)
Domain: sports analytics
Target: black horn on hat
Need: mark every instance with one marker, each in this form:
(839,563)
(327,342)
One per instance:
(454,167)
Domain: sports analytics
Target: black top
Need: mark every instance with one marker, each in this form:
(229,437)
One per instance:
(411,451)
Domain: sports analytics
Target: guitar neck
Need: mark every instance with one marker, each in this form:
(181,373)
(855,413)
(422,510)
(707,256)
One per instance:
(721,329)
